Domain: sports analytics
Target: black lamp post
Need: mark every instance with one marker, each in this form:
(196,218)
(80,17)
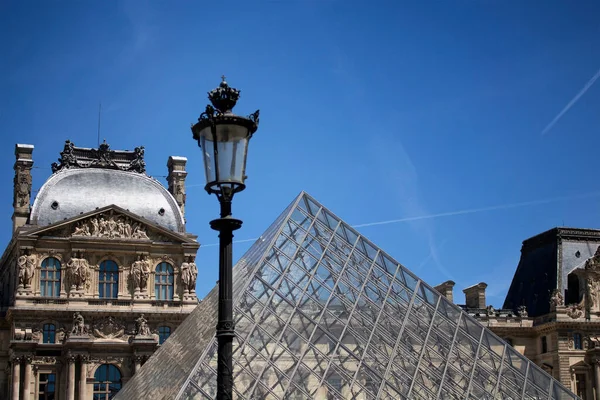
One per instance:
(223,137)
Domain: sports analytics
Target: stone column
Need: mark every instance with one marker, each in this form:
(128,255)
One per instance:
(16,376)
(27,378)
(597,376)
(70,377)
(36,382)
(83,378)
(137,363)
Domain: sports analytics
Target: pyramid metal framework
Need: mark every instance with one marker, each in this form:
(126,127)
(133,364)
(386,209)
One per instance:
(321,313)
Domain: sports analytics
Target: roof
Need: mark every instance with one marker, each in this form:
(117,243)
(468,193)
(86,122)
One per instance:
(89,179)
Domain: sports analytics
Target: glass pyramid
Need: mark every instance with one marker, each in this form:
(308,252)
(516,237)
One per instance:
(322,313)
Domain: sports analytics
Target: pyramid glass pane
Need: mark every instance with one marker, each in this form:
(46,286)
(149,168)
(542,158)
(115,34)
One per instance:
(322,313)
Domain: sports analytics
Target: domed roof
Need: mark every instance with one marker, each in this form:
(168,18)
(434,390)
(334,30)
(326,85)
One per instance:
(76,188)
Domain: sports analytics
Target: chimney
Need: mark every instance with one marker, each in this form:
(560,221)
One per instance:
(475,295)
(22,184)
(176,180)
(446,289)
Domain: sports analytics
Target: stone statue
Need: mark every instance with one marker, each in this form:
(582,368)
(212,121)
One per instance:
(141,326)
(78,268)
(556,299)
(522,310)
(189,273)
(79,327)
(26,270)
(140,272)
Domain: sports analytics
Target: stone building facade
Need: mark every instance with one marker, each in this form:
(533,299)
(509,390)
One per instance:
(552,310)
(98,273)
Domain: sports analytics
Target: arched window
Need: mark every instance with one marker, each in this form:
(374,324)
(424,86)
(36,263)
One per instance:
(48,333)
(163,333)
(163,281)
(108,280)
(50,278)
(107,382)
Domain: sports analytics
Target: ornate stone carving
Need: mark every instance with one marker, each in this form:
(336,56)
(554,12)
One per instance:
(16,358)
(102,157)
(593,263)
(112,227)
(139,273)
(575,311)
(60,335)
(26,270)
(71,358)
(189,273)
(39,360)
(138,164)
(556,299)
(78,272)
(570,343)
(490,311)
(108,328)
(522,310)
(141,327)
(79,328)
(22,186)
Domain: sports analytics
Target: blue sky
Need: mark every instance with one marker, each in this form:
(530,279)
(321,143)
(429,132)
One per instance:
(380,110)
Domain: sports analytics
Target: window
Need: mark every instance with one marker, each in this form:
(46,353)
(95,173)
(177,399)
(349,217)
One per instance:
(577,341)
(48,333)
(47,387)
(107,382)
(163,333)
(163,281)
(108,280)
(580,385)
(544,344)
(50,278)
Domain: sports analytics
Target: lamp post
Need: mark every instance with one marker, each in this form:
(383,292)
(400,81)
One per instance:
(223,138)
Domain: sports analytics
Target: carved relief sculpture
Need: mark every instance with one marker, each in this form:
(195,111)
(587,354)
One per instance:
(575,311)
(78,271)
(141,326)
(26,270)
(140,272)
(189,273)
(79,327)
(111,227)
(108,328)
(22,184)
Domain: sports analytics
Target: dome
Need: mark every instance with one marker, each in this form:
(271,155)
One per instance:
(70,192)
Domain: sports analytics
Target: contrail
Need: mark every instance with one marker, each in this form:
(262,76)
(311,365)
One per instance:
(481,209)
(459,212)
(586,87)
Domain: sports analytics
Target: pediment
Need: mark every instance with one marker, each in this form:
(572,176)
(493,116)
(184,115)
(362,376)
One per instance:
(108,224)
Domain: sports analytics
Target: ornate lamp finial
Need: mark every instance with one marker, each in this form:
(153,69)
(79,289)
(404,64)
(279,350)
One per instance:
(224,97)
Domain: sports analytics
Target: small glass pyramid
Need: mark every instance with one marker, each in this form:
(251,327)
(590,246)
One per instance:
(322,313)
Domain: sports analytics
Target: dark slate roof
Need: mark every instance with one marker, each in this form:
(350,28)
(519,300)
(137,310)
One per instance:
(546,259)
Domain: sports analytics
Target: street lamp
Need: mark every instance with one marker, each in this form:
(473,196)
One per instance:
(223,138)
